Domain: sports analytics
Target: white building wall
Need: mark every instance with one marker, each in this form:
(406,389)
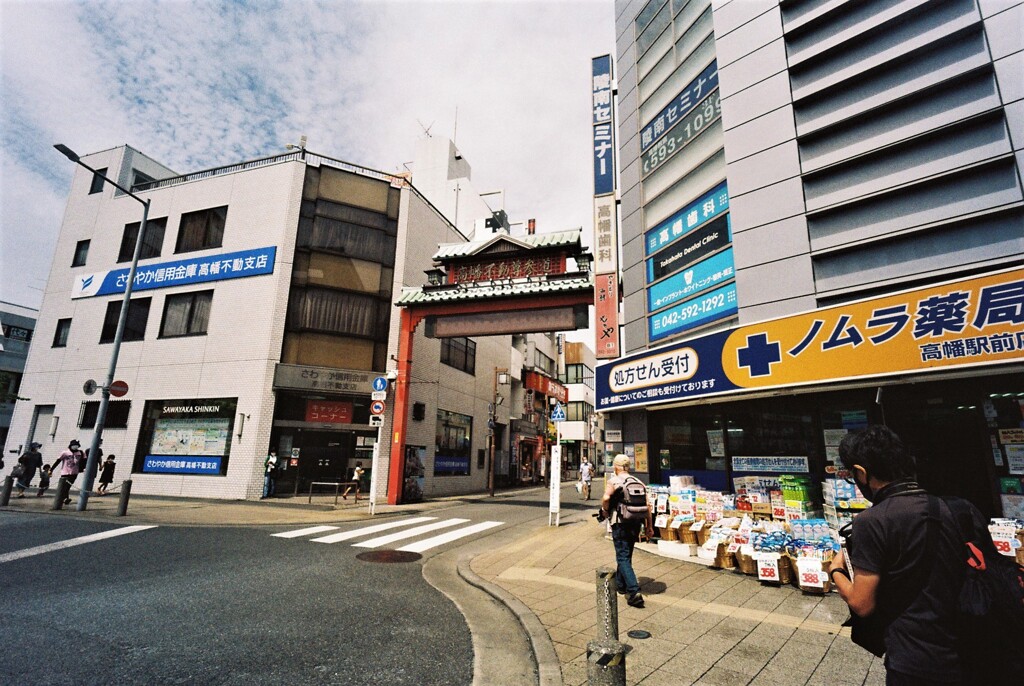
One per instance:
(234,360)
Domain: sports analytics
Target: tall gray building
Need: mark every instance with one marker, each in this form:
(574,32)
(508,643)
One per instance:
(782,161)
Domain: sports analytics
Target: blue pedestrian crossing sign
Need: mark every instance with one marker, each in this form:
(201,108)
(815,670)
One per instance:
(558,413)
(380,383)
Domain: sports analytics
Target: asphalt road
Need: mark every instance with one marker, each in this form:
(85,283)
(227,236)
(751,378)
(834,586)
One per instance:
(236,605)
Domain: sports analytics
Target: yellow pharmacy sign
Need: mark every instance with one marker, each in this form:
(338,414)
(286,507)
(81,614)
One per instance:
(973,322)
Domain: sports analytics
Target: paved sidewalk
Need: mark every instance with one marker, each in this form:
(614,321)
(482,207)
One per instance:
(707,626)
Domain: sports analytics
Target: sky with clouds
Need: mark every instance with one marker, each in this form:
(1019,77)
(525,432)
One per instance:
(201,84)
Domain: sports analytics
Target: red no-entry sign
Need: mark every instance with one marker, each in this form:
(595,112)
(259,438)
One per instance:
(118,388)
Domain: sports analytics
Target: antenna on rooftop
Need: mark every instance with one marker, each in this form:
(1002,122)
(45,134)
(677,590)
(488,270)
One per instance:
(301,147)
(426,129)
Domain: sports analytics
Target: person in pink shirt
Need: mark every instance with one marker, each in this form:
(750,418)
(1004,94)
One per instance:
(68,460)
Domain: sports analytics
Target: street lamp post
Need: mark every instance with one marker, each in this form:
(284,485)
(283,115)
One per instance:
(101,415)
(500,376)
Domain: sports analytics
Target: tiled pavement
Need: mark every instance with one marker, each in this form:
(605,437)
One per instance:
(707,626)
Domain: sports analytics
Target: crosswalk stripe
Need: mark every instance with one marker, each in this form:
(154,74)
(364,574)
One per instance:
(429,543)
(305,532)
(71,542)
(356,533)
(416,531)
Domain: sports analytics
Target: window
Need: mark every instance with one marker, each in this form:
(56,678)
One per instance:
(81,253)
(152,242)
(97,181)
(578,374)
(138,178)
(117,414)
(186,314)
(459,353)
(60,336)
(544,363)
(578,411)
(453,444)
(16,333)
(135,324)
(201,230)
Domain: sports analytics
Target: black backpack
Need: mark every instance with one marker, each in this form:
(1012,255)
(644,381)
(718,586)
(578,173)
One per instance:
(632,507)
(991,604)
(83,461)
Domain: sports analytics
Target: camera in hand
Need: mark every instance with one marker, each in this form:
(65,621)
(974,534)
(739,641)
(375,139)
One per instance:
(599,516)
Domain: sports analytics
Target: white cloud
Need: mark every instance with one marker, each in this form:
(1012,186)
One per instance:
(198,84)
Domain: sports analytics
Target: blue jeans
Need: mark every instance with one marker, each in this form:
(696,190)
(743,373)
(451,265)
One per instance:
(624,538)
(268,486)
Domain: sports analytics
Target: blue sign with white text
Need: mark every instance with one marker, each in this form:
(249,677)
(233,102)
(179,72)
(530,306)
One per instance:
(604,140)
(678,371)
(705,208)
(451,465)
(698,278)
(182,464)
(234,265)
(680,106)
(687,315)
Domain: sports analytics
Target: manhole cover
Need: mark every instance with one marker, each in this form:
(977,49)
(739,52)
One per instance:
(388,556)
(639,633)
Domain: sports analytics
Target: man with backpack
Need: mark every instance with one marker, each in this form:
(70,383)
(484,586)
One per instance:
(908,572)
(625,501)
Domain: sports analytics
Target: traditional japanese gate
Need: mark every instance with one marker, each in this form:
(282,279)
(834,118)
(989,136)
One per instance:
(496,287)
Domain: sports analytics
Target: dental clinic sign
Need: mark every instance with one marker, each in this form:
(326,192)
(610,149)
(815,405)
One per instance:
(204,269)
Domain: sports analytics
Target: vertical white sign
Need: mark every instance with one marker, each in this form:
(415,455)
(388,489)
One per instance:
(555,480)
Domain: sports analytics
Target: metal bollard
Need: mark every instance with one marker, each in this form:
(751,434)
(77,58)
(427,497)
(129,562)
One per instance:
(607,605)
(58,497)
(606,663)
(5,494)
(122,504)
(606,657)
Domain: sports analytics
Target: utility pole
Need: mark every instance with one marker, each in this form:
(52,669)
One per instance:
(500,376)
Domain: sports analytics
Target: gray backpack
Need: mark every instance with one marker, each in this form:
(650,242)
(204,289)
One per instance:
(633,503)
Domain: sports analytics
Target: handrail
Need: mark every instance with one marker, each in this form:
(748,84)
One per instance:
(297,156)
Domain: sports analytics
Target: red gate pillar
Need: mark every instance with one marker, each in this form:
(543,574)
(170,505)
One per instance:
(396,472)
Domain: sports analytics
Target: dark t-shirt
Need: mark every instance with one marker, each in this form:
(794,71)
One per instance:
(889,539)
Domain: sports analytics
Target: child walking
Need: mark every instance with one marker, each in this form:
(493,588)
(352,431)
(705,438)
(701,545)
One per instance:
(107,475)
(44,479)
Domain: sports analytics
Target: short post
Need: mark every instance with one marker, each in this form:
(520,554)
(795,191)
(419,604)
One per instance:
(122,503)
(606,657)
(5,494)
(607,605)
(58,497)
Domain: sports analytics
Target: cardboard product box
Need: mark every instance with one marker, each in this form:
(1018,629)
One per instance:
(763,509)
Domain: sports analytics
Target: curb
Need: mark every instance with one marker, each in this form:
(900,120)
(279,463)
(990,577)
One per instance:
(549,667)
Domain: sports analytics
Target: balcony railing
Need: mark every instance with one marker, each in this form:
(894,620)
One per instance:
(295,156)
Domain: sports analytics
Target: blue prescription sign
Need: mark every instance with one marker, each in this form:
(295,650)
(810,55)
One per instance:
(234,265)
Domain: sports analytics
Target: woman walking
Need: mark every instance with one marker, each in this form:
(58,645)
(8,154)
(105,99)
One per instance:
(30,462)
